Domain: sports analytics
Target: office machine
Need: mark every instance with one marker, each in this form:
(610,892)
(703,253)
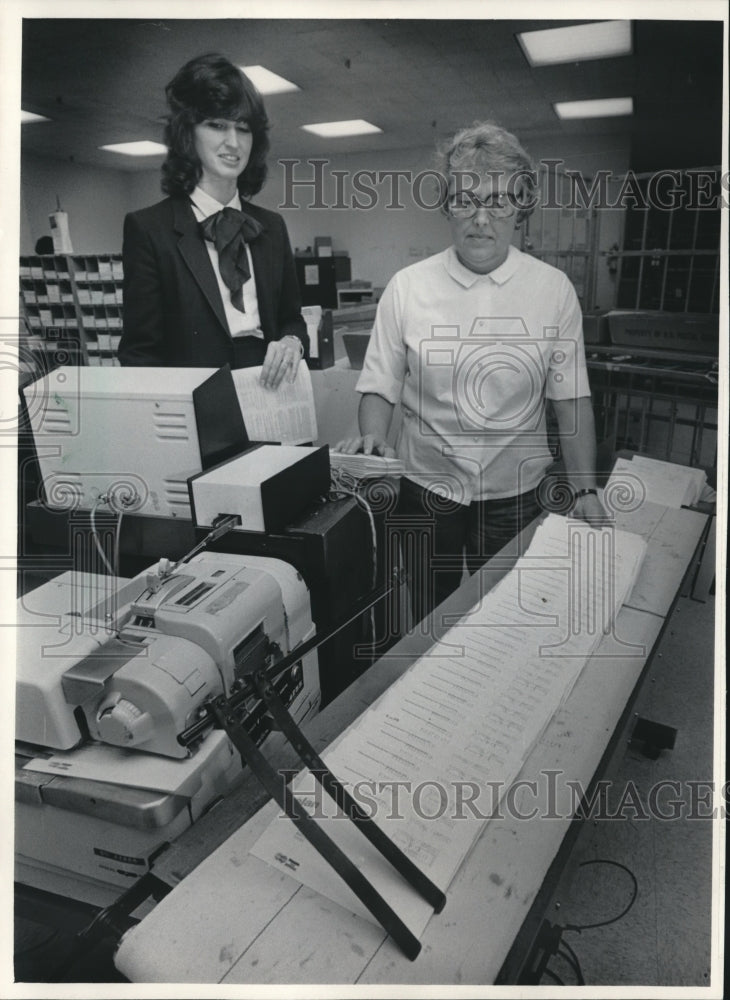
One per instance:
(117,748)
(110,673)
(127,434)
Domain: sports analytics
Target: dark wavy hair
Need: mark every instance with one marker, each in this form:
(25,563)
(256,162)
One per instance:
(210,86)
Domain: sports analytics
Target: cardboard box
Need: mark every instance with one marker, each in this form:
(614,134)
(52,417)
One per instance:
(697,333)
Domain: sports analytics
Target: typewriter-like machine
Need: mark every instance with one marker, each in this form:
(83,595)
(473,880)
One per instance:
(140,700)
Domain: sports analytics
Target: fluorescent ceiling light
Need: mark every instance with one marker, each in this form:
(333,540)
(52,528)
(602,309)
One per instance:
(27,116)
(355,126)
(600,40)
(608,108)
(143,147)
(267,82)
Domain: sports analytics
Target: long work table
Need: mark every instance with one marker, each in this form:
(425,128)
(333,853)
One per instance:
(232,919)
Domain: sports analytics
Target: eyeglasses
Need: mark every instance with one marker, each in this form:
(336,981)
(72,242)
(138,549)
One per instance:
(465,204)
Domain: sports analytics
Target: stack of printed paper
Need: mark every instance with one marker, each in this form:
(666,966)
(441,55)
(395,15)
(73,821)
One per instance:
(432,757)
(364,466)
(657,482)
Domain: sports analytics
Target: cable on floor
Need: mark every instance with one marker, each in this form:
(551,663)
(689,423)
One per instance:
(554,942)
(571,958)
(613,920)
(577,966)
(555,979)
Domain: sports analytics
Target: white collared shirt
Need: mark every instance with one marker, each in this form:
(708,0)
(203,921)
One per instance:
(471,358)
(240,324)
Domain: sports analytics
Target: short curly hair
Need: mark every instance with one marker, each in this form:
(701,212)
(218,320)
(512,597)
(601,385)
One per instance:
(485,148)
(210,86)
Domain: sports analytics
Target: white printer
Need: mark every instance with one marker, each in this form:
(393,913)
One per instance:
(110,673)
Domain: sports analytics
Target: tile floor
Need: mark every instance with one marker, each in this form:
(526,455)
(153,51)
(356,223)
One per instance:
(664,939)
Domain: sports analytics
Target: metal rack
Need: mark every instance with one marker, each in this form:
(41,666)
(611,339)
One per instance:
(670,257)
(661,403)
(565,234)
(629,246)
(72,306)
(633,247)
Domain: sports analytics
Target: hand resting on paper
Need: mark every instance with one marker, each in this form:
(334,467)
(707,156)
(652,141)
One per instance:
(282,359)
(367,444)
(589,508)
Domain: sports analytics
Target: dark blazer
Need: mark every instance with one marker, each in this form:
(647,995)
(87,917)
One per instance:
(173,311)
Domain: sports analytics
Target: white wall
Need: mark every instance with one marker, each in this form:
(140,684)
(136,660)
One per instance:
(388,232)
(144,189)
(380,239)
(95,199)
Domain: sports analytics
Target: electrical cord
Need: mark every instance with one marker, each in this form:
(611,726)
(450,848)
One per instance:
(344,484)
(553,976)
(95,534)
(573,963)
(113,569)
(613,920)
(571,958)
(117,539)
(557,945)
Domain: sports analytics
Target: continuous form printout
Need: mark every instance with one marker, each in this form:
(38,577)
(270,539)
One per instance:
(663,483)
(286,414)
(466,714)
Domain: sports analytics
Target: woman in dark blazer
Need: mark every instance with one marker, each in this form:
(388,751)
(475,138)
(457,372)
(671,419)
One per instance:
(185,302)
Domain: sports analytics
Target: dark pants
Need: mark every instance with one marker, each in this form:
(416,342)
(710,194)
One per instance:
(437,537)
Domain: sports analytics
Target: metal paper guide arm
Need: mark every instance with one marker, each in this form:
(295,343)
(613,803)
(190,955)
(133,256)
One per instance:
(345,868)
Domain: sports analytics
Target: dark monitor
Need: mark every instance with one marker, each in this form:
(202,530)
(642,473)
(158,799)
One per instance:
(222,432)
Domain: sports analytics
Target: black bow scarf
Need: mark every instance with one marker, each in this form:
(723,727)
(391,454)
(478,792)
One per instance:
(230,230)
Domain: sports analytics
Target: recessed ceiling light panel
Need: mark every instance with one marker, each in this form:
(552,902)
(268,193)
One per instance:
(142,147)
(577,43)
(26,117)
(267,82)
(329,130)
(608,108)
